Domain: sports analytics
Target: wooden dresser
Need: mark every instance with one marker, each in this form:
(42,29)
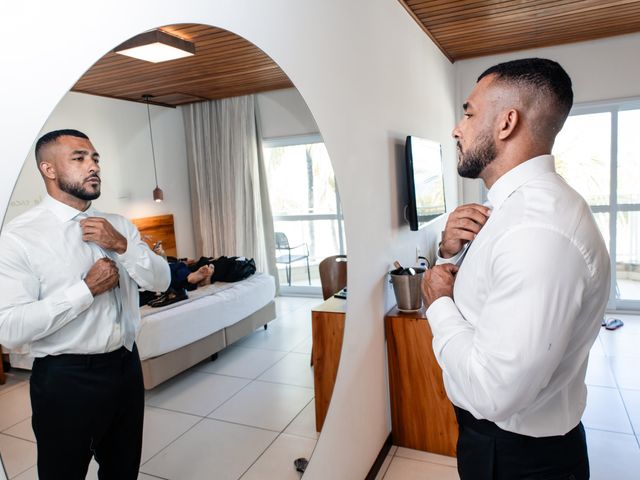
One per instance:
(327,323)
(421,414)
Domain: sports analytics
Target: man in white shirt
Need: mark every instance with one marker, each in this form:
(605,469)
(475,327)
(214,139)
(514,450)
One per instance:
(517,297)
(69,277)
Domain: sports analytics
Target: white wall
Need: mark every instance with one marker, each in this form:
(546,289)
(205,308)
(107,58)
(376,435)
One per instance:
(367,90)
(599,69)
(284,113)
(119,130)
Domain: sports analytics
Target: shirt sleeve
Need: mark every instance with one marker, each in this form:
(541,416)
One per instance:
(24,317)
(537,281)
(148,270)
(455,259)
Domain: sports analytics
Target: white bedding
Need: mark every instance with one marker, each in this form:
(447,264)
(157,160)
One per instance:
(185,322)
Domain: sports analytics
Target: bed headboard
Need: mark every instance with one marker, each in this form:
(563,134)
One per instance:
(159,228)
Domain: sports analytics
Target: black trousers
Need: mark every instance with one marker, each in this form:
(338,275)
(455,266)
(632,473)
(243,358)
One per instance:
(486,452)
(84,406)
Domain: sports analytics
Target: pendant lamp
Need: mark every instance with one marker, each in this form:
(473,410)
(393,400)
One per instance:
(158,195)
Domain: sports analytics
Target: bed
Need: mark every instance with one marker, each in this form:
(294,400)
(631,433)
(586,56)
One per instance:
(174,338)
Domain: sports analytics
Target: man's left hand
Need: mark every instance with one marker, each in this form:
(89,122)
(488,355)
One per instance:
(99,231)
(438,282)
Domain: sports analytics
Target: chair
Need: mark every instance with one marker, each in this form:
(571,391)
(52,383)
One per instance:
(282,244)
(333,274)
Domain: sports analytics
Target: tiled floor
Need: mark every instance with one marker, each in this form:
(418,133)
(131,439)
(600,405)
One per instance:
(250,413)
(247,415)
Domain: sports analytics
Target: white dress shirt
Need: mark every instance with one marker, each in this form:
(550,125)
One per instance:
(46,307)
(514,341)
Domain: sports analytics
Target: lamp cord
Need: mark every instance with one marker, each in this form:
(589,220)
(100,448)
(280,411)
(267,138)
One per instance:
(153,152)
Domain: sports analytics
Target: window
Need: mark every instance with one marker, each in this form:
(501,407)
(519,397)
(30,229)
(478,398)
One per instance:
(598,153)
(305,203)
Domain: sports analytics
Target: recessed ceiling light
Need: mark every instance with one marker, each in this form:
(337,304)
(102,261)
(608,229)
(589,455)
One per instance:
(156,46)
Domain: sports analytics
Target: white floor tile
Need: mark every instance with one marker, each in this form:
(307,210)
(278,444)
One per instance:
(605,411)
(22,430)
(17,455)
(599,372)
(305,347)
(242,362)
(161,427)
(265,405)
(620,343)
(15,406)
(31,474)
(195,393)
(631,399)
(274,338)
(277,461)
(596,349)
(406,469)
(613,456)
(211,449)
(426,457)
(304,425)
(13,379)
(293,369)
(625,370)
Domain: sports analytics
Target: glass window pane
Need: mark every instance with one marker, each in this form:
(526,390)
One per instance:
(629,156)
(300,179)
(628,255)
(583,150)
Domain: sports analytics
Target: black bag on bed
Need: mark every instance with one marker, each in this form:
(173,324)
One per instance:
(227,269)
(232,269)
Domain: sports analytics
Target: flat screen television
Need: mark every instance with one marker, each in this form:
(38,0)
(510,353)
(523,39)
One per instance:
(425,182)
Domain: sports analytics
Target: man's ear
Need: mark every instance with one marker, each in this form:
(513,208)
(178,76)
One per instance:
(508,122)
(47,169)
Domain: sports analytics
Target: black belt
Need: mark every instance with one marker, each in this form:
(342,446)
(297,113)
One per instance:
(485,427)
(71,359)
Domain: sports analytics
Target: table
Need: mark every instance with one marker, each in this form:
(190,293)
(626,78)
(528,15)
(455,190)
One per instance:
(327,324)
(422,416)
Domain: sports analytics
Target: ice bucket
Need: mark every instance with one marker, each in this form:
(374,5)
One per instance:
(406,288)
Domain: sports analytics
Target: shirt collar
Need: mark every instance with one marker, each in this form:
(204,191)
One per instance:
(63,211)
(518,176)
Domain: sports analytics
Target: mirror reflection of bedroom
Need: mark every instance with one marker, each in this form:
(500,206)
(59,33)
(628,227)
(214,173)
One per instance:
(217,160)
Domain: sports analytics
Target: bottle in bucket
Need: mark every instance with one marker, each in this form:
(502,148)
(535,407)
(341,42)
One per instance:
(406,287)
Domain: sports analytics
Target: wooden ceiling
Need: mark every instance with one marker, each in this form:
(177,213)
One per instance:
(225,65)
(473,28)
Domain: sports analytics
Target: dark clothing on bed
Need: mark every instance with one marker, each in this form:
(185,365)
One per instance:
(227,269)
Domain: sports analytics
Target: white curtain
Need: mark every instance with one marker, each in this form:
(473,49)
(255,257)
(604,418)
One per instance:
(229,195)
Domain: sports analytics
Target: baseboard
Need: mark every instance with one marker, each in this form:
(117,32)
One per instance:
(377,465)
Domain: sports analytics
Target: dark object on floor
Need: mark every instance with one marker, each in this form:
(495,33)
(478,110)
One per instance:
(612,323)
(300,464)
(214,357)
(169,297)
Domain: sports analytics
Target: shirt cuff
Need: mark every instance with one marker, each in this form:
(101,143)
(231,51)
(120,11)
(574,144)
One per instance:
(441,310)
(441,260)
(79,296)
(130,255)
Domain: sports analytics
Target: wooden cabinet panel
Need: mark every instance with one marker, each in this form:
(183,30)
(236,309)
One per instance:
(327,323)
(422,416)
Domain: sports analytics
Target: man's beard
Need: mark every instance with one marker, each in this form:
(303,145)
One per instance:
(472,163)
(78,190)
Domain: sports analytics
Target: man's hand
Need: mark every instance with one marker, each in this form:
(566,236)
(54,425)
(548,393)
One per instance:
(438,282)
(102,276)
(99,231)
(462,226)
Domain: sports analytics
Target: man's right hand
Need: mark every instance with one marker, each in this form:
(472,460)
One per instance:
(102,276)
(462,226)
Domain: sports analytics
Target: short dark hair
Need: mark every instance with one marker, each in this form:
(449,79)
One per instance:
(545,75)
(51,137)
